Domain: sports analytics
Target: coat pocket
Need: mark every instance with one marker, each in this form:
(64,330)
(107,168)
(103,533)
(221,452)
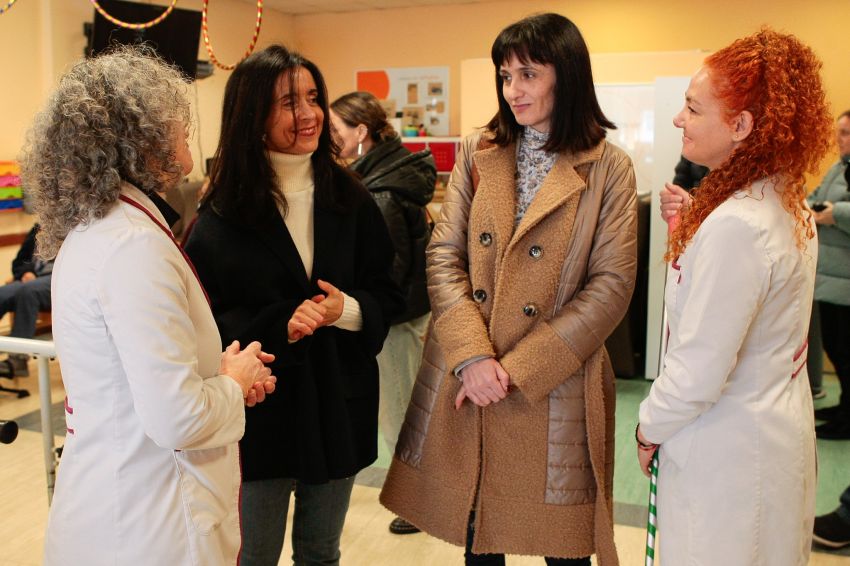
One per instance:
(209,485)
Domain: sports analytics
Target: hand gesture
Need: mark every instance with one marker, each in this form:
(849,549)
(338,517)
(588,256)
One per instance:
(674,199)
(247,368)
(484,382)
(333,301)
(825,216)
(28,276)
(306,319)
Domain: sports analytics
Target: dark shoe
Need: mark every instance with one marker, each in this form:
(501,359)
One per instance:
(828,413)
(834,430)
(832,531)
(399,526)
(21,364)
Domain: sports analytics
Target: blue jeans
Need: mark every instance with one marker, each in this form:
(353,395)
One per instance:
(25,300)
(317,523)
(844,509)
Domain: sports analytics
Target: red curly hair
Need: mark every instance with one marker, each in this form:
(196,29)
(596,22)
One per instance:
(776,78)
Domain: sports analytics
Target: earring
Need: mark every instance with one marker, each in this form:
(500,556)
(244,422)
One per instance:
(359,149)
(264,138)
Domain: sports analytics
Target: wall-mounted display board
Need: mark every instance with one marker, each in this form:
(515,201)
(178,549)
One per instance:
(418,95)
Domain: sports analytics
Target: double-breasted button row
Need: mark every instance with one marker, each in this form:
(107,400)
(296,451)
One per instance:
(485,238)
(479,295)
(530,310)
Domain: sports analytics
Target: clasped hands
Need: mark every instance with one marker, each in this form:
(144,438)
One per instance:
(247,367)
(484,381)
(318,311)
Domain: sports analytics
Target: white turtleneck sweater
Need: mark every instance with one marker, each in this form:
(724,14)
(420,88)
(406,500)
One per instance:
(295,180)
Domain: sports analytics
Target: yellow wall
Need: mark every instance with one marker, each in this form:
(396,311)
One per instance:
(427,36)
(446,35)
(39,39)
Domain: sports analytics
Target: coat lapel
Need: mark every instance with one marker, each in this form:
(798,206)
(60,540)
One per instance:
(277,238)
(495,196)
(560,184)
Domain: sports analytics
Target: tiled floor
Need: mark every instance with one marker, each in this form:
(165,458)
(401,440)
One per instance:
(366,541)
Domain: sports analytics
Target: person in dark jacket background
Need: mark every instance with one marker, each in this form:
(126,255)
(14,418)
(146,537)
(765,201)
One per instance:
(291,248)
(402,183)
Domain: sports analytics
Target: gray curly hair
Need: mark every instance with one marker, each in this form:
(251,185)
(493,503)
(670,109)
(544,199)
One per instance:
(111,119)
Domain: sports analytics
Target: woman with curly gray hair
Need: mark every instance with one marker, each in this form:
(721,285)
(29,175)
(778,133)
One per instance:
(150,471)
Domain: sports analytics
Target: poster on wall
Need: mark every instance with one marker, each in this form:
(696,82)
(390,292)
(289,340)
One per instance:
(417,95)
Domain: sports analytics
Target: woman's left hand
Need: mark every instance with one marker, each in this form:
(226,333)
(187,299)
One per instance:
(258,391)
(333,301)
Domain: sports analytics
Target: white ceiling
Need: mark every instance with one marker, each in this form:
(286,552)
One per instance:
(326,6)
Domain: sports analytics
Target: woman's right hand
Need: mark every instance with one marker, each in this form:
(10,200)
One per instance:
(247,368)
(305,320)
(484,382)
(674,199)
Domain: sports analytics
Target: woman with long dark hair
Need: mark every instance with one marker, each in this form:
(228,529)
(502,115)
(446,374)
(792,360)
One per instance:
(507,445)
(292,249)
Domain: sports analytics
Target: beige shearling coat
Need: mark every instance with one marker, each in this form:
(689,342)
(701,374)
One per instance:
(537,467)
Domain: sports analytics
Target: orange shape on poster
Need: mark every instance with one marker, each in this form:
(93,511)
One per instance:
(376,82)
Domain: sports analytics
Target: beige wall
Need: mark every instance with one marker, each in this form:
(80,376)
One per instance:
(41,38)
(427,36)
(446,35)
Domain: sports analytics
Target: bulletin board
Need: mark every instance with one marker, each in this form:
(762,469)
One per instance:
(420,94)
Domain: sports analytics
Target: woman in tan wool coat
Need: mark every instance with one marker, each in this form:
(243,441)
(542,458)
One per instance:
(507,445)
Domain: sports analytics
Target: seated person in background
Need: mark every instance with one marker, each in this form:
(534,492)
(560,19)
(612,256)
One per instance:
(26,294)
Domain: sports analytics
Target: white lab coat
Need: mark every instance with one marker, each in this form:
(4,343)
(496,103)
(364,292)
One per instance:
(736,481)
(150,474)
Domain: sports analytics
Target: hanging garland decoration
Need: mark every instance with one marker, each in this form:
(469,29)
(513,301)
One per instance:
(208,45)
(7,6)
(128,25)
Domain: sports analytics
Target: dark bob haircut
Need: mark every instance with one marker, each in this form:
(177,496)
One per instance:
(242,180)
(578,123)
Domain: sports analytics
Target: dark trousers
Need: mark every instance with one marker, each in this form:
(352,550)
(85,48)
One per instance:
(499,559)
(317,522)
(835,332)
(814,360)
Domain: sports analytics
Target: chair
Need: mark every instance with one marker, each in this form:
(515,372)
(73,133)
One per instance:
(7,371)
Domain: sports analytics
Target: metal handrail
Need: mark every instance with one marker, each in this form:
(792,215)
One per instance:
(43,350)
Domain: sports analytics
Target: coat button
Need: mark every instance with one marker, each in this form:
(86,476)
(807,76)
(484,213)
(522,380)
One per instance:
(485,238)
(479,295)
(529,310)
(536,252)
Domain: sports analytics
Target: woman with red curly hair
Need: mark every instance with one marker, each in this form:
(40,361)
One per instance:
(731,411)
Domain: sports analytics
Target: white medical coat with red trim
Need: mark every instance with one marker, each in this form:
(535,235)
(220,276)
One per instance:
(150,473)
(732,408)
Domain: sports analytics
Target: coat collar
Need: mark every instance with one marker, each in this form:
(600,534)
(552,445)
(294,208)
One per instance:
(497,173)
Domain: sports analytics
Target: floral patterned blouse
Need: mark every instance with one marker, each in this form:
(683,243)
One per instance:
(532,166)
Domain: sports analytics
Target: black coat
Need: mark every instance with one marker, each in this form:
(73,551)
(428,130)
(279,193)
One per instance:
(321,422)
(402,183)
